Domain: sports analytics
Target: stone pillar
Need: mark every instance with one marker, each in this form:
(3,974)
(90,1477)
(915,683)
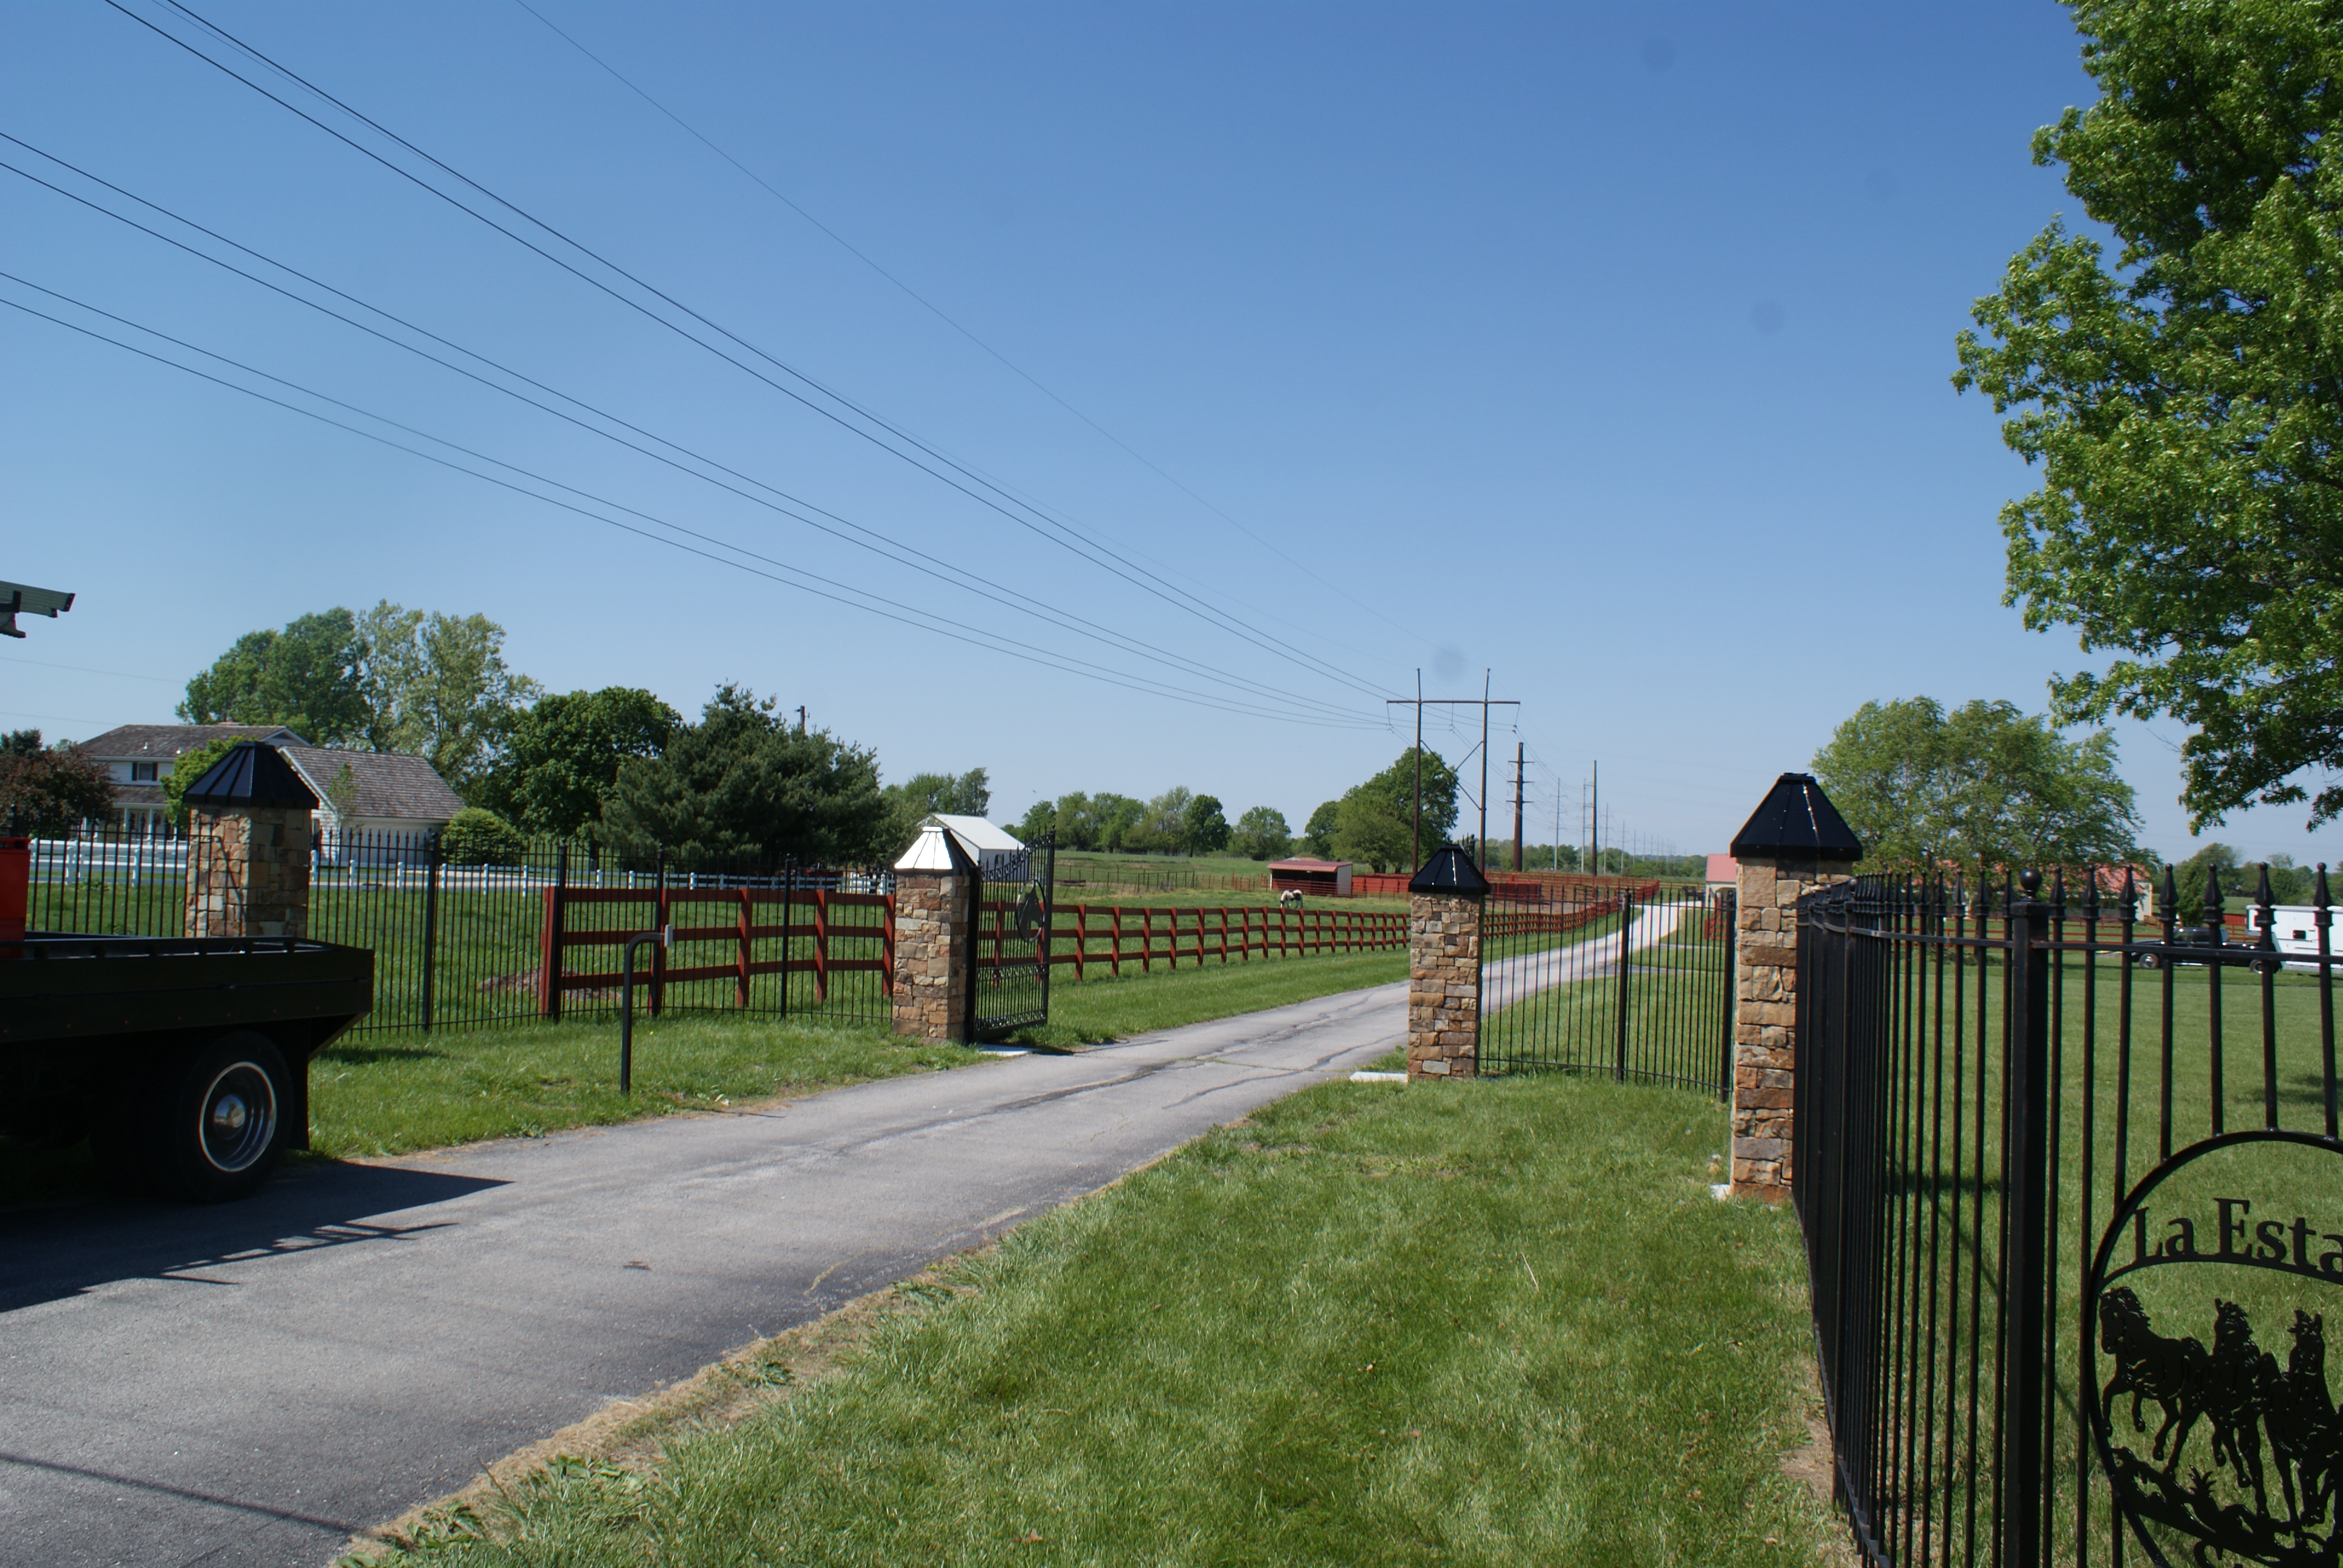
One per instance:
(937,885)
(248,871)
(1796,843)
(931,931)
(1444,985)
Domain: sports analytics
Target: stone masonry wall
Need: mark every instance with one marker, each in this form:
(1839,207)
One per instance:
(930,981)
(248,873)
(1766,1018)
(1443,985)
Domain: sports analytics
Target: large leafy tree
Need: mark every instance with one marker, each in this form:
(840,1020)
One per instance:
(1980,786)
(923,794)
(1205,827)
(1262,834)
(561,756)
(49,792)
(1375,820)
(741,784)
(392,679)
(308,677)
(2183,403)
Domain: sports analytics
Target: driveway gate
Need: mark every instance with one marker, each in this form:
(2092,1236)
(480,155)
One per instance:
(1631,979)
(1008,960)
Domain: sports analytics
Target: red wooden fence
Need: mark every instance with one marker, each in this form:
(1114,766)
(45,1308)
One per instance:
(1113,935)
(747,916)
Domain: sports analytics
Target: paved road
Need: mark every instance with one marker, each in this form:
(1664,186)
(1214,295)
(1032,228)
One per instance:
(247,1385)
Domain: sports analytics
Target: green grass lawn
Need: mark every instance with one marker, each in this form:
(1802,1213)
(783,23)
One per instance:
(1102,1008)
(1500,1323)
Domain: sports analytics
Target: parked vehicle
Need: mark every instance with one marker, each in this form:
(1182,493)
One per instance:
(2294,928)
(186,1060)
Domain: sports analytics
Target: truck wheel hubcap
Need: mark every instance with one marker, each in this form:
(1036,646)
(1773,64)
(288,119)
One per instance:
(240,1117)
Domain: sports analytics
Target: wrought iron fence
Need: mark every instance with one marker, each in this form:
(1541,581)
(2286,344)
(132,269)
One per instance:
(2024,1125)
(473,946)
(1637,983)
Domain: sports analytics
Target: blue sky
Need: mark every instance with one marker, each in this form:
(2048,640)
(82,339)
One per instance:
(1604,349)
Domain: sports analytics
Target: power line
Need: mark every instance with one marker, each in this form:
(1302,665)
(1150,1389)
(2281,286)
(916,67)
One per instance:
(797,576)
(1056,530)
(868,540)
(937,311)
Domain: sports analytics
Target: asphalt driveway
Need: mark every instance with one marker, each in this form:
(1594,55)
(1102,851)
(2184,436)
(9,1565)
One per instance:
(249,1384)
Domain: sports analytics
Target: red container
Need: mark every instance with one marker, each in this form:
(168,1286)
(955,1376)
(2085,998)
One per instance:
(16,873)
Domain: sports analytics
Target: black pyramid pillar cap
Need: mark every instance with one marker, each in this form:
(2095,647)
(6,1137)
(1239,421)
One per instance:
(251,774)
(1797,822)
(1450,871)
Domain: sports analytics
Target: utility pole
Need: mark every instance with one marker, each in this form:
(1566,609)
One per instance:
(1594,820)
(1483,702)
(1521,755)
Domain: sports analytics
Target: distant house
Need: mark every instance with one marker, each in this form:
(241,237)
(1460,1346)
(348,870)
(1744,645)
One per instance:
(386,792)
(1723,872)
(139,756)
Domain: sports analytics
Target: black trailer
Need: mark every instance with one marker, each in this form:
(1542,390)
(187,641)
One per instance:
(186,1060)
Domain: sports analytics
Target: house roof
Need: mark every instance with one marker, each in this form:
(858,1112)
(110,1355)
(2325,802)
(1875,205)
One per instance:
(145,742)
(977,833)
(250,774)
(390,784)
(1307,865)
(1723,869)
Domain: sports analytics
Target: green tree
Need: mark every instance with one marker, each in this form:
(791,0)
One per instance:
(1360,827)
(1262,834)
(455,701)
(49,792)
(186,768)
(1317,833)
(2189,877)
(1114,818)
(742,784)
(561,756)
(2181,404)
(1981,786)
(923,794)
(475,837)
(1206,830)
(1160,828)
(1040,819)
(305,677)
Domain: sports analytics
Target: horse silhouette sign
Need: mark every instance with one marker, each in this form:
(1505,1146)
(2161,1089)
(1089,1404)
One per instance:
(2214,1420)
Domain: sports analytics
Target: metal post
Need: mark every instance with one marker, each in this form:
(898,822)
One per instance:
(665,937)
(2028,1173)
(1728,901)
(789,903)
(1416,835)
(1049,914)
(1626,926)
(556,916)
(430,923)
(658,969)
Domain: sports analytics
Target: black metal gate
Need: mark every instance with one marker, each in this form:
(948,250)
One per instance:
(1009,961)
(1631,979)
(2026,1128)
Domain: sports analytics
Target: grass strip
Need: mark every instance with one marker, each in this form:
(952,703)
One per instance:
(1500,1323)
(1103,1007)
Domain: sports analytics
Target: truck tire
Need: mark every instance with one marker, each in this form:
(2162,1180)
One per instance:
(220,1120)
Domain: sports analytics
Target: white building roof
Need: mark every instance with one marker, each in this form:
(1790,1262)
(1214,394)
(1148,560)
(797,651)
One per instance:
(932,851)
(977,834)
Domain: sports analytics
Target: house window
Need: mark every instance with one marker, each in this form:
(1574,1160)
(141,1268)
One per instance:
(142,773)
